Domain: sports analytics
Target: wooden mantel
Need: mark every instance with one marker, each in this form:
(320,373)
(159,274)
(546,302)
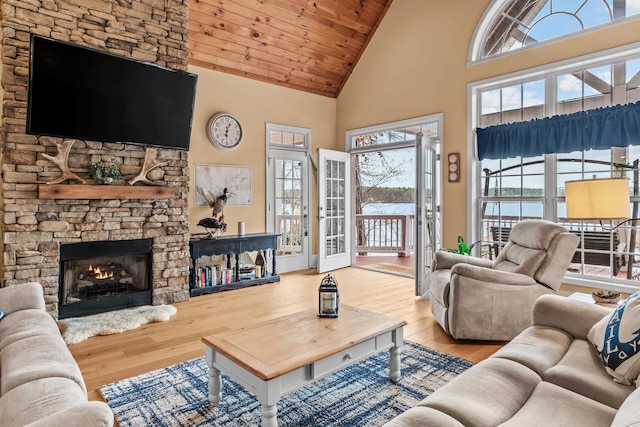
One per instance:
(105,192)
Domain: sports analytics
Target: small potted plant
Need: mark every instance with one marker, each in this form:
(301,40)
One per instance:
(104,173)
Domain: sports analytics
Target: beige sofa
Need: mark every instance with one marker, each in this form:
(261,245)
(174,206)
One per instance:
(40,382)
(549,375)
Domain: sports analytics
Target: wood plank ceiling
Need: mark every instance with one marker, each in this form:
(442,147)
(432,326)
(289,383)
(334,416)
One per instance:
(311,46)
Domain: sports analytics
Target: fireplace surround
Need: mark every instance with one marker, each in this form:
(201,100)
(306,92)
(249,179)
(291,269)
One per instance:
(35,228)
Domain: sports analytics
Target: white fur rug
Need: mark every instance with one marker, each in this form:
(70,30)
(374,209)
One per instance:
(78,329)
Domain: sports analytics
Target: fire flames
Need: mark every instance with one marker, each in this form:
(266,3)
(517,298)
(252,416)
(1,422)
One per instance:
(99,274)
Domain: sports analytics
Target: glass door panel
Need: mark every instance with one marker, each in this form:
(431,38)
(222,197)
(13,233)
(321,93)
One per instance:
(334,223)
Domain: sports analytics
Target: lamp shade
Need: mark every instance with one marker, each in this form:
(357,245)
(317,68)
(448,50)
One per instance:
(606,198)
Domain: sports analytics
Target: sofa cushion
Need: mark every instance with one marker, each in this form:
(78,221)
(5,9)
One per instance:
(553,406)
(537,347)
(629,413)
(617,339)
(21,297)
(26,323)
(581,371)
(535,233)
(419,416)
(572,316)
(519,259)
(486,395)
(82,414)
(37,357)
(33,400)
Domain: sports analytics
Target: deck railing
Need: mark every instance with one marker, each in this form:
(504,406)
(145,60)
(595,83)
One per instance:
(626,234)
(290,239)
(509,221)
(385,234)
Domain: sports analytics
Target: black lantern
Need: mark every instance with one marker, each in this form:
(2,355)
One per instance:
(328,297)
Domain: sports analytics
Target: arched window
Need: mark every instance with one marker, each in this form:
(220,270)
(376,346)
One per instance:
(509,25)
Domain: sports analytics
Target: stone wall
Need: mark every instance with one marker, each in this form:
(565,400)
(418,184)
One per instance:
(33,229)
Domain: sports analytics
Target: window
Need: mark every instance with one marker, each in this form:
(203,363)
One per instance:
(509,25)
(513,189)
(291,139)
(514,103)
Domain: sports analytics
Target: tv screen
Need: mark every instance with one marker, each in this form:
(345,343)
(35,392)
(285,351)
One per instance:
(77,92)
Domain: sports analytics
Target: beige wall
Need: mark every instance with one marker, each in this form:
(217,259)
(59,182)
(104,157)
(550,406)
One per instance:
(254,103)
(416,64)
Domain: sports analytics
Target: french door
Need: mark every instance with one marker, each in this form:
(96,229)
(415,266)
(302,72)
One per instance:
(428,237)
(334,202)
(288,207)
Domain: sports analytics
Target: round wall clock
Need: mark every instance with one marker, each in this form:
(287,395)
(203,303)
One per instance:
(224,131)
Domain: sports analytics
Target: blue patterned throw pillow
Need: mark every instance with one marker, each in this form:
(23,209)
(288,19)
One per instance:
(617,340)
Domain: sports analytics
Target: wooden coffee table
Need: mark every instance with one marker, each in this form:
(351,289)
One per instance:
(284,354)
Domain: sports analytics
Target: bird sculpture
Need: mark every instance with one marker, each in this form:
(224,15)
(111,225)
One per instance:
(219,204)
(215,225)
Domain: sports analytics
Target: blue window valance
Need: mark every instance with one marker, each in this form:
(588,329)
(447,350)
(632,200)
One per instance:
(601,128)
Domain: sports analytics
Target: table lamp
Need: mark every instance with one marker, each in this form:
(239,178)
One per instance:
(598,198)
(602,199)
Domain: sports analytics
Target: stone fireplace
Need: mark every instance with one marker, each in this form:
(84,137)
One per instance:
(36,229)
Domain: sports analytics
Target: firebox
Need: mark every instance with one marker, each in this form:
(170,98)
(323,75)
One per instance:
(102,276)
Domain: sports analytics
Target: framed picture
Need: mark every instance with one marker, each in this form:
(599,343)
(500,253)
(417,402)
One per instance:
(211,180)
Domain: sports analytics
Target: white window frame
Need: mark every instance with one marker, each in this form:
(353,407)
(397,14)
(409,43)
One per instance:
(549,72)
(496,7)
(350,147)
(273,127)
(272,149)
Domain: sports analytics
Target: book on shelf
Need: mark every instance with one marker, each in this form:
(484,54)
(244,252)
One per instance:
(207,276)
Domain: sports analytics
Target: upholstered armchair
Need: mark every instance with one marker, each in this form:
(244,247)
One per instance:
(480,299)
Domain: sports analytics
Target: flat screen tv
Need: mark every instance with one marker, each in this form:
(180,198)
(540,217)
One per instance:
(77,92)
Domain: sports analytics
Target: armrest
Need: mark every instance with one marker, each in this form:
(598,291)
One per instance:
(492,276)
(444,260)
(21,297)
(572,316)
(92,413)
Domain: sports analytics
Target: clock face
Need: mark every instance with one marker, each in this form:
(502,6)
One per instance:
(453,158)
(224,131)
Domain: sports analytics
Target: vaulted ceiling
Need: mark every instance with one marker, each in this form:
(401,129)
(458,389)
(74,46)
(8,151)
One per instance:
(311,46)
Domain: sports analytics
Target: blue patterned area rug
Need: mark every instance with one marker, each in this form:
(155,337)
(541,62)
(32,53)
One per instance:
(360,395)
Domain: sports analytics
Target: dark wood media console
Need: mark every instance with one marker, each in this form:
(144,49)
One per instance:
(233,246)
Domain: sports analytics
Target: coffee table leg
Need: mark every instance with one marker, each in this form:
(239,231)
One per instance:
(269,415)
(394,364)
(215,384)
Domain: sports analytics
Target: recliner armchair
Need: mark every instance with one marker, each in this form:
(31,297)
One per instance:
(480,299)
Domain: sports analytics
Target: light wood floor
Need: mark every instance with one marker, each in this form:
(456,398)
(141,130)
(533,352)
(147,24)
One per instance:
(106,359)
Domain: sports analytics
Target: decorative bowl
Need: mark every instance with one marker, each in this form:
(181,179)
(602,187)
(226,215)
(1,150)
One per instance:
(602,295)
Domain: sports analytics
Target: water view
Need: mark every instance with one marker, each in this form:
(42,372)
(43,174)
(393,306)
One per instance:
(389,209)
(532,210)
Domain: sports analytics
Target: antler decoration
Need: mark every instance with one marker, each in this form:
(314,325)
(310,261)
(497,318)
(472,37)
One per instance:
(61,160)
(149,164)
